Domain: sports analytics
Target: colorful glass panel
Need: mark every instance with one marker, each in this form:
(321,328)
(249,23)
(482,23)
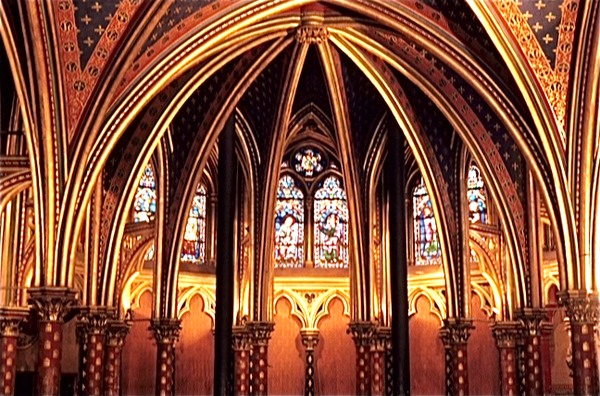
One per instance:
(144,206)
(427,243)
(194,239)
(331,225)
(289,225)
(477,197)
(309,162)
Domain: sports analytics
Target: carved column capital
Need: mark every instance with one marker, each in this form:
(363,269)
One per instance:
(506,334)
(362,332)
(312,34)
(166,330)
(532,320)
(116,332)
(581,306)
(260,332)
(11,319)
(456,331)
(241,338)
(52,303)
(310,338)
(93,321)
(382,338)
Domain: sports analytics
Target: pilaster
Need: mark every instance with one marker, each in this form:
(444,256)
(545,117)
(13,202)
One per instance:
(455,335)
(91,329)
(52,304)
(362,333)
(116,332)
(166,332)
(310,339)
(532,377)
(260,336)
(241,351)
(506,335)
(10,320)
(583,310)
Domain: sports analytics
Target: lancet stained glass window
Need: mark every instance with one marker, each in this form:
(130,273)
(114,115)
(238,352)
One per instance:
(427,243)
(309,162)
(289,225)
(144,205)
(194,239)
(477,197)
(331,225)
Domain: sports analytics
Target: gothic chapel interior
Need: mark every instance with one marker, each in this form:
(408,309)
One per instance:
(299,197)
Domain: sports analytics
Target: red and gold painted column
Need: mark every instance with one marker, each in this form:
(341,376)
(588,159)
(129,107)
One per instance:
(362,333)
(10,319)
(166,331)
(455,335)
(310,339)
(531,352)
(91,328)
(506,335)
(116,332)
(52,305)
(583,312)
(241,351)
(260,334)
(381,338)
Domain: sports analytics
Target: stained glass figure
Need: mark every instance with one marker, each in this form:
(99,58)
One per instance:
(144,205)
(150,253)
(427,243)
(309,162)
(331,225)
(477,196)
(289,225)
(194,239)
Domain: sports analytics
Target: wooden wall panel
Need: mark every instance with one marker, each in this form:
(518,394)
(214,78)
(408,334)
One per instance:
(426,352)
(484,363)
(194,362)
(335,355)
(139,352)
(286,353)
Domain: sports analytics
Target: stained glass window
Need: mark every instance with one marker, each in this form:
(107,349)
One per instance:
(309,162)
(289,225)
(331,225)
(194,239)
(427,243)
(476,196)
(144,206)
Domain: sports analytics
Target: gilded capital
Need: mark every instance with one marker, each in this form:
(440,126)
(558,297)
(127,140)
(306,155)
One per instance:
(362,332)
(52,303)
(581,307)
(532,320)
(456,331)
(116,332)
(506,334)
(310,338)
(166,330)
(11,319)
(260,331)
(312,34)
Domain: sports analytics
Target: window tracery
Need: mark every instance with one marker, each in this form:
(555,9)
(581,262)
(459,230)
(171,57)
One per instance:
(476,194)
(194,239)
(427,244)
(144,206)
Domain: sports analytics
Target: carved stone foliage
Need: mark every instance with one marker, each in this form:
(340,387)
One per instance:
(312,34)
(310,339)
(362,332)
(506,334)
(581,307)
(116,332)
(52,304)
(532,321)
(456,331)
(166,330)
(261,332)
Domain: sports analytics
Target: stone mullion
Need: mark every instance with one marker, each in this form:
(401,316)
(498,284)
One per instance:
(310,339)
(531,352)
(455,335)
(115,338)
(362,333)
(506,335)
(583,312)
(241,350)
(9,333)
(52,305)
(166,332)
(260,335)
(91,327)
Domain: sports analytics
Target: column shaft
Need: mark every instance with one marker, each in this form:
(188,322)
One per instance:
(506,334)
(166,332)
(115,337)
(241,350)
(362,333)
(51,304)
(259,369)
(398,263)
(225,260)
(531,353)
(91,327)
(10,319)
(310,339)
(455,335)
